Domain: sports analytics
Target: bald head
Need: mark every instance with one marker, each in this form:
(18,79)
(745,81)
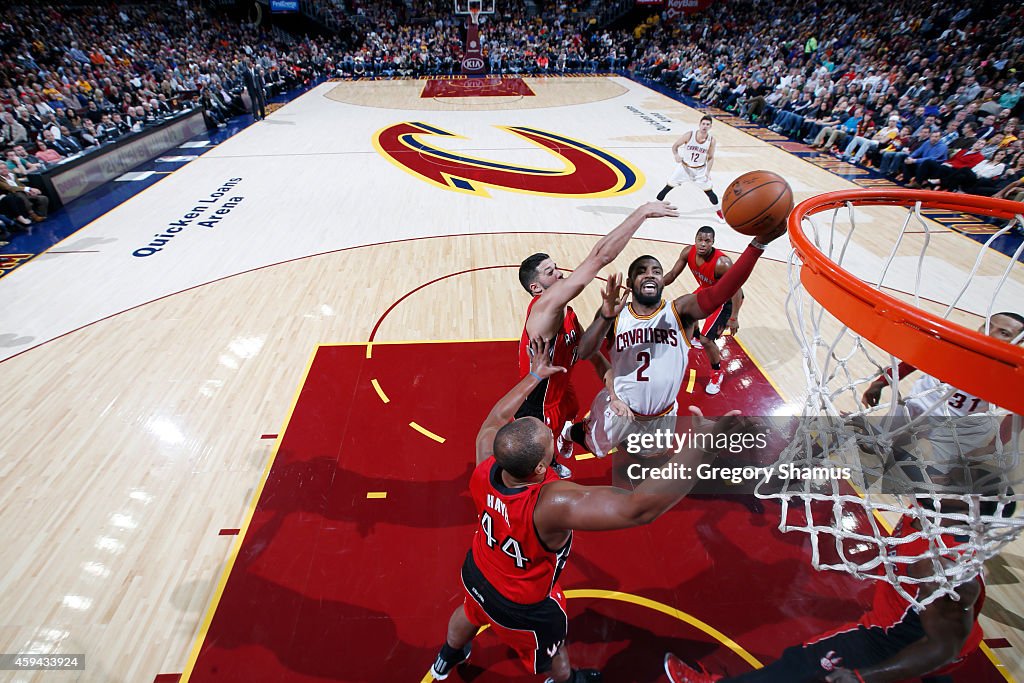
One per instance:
(521,445)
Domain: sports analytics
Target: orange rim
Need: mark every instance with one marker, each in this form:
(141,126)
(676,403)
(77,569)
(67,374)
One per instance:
(964,358)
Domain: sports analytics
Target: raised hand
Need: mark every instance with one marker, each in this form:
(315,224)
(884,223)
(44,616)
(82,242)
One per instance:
(773,233)
(540,359)
(659,210)
(613,297)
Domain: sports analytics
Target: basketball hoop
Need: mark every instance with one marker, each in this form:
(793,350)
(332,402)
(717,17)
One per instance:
(474,14)
(858,308)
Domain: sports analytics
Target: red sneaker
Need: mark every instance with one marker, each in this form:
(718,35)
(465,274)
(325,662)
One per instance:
(715,385)
(679,672)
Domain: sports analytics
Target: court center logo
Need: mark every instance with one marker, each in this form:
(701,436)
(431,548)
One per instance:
(583,169)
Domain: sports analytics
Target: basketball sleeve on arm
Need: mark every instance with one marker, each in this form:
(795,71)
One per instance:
(710,298)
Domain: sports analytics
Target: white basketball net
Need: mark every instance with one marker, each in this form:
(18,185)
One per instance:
(908,449)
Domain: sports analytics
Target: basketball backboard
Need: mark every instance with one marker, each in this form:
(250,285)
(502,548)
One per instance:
(463,6)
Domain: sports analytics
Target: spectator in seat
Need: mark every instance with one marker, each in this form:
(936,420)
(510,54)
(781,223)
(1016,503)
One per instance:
(964,179)
(932,149)
(860,145)
(46,155)
(932,172)
(31,202)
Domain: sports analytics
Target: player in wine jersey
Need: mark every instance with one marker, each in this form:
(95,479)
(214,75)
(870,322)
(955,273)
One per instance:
(955,423)
(648,350)
(525,523)
(695,154)
(550,317)
(707,265)
(891,642)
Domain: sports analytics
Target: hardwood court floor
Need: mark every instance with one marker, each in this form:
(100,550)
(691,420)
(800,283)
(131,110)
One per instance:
(145,392)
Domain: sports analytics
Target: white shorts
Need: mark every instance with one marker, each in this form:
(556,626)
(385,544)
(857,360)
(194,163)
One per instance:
(607,431)
(697,176)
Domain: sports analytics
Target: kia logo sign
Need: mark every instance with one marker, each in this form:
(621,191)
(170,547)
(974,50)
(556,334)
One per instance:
(472,63)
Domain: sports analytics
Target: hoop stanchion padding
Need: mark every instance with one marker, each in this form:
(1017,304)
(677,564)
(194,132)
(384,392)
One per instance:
(962,357)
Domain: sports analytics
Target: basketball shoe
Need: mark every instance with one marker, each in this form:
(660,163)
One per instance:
(679,672)
(721,216)
(563,444)
(695,343)
(715,385)
(442,667)
(561,470)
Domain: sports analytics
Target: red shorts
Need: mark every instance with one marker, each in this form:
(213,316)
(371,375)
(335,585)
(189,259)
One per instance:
(566,410)
(539,629)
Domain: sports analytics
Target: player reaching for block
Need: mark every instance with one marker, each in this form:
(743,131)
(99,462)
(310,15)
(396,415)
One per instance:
(549,316)
(525,522)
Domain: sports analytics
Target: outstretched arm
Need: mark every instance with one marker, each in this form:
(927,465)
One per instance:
(873,394)
(546,313)
(721,268)
(565,505)
(505,409)
(678,267)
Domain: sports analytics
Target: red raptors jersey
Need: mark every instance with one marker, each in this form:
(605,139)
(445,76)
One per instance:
(889,608)
(506,547)
(704,274)
(554,396)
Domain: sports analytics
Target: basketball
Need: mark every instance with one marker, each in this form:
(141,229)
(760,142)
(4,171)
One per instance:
(757,201)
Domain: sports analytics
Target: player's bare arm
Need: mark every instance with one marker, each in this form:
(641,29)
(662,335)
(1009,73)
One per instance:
(678,267)
(873,394)
(700,304)
(711,154)
(613,298)
(721,267)
(946,622)
(679,143)
(505,409)
(546,314)
(565,506)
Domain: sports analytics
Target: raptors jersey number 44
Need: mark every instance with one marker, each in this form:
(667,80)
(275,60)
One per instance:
(648,355)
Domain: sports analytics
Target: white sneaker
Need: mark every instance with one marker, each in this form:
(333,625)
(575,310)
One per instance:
(715,385)
(721,216)
(561,470)
(563,442)
(695,343)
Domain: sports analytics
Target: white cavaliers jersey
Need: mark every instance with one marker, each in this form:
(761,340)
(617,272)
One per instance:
(956,423)
(695,154)
(931,397)
(649,359)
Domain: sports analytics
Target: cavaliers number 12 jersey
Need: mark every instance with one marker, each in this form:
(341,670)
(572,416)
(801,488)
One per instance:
(695,154)
(648,356)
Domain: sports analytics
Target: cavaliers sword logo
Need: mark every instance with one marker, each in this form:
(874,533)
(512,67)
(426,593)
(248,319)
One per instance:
(580,169)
